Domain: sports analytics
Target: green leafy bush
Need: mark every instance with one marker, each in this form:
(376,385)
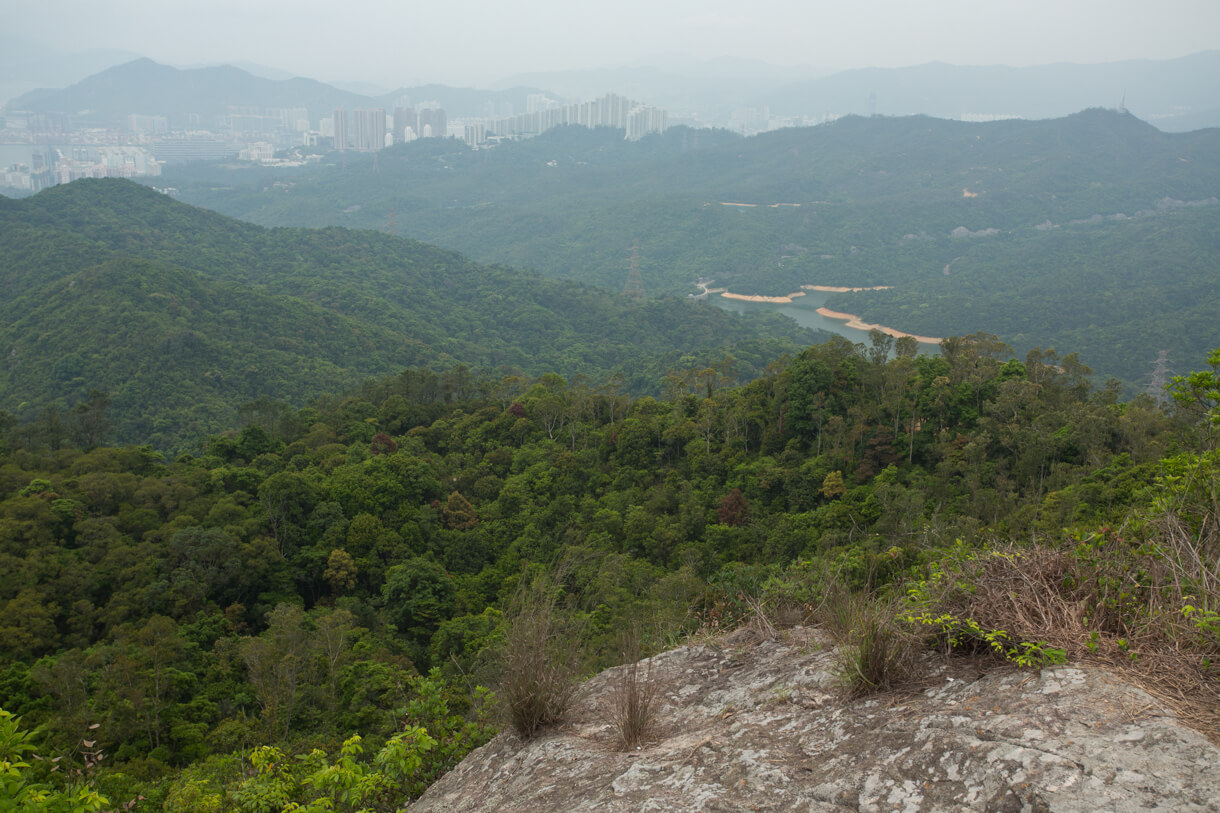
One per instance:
(22,790)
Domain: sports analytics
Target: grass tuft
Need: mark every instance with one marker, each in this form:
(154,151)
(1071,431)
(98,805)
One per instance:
(634,695)
(541,661)
(875,651)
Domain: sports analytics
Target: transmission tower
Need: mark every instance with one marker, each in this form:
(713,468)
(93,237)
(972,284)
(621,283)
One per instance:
(391,221)
(634,288)
(1160,378)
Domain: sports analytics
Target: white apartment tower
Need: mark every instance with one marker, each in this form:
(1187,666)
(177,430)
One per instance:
(368,129)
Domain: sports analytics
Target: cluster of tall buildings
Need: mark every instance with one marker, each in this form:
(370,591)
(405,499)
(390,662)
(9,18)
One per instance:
(362,129)
(611,110)
(58,165)
(365,130)
(427,122)
(51,148)
(105,162)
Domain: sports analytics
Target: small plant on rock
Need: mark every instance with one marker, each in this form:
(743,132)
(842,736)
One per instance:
(875,653)
(541,660)
(634,695)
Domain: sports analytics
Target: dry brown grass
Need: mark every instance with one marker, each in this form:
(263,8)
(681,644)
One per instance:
(760,622)
(635,695)
(541,662)
(1107,603)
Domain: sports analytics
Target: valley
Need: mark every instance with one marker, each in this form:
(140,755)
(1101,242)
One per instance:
(367,449)
(1114,216)
(183,315)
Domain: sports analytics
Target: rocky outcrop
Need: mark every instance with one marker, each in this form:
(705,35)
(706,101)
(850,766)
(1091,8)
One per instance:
(762,725)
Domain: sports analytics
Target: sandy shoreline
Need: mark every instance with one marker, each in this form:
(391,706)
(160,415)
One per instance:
(774,300)
(840,289)
(854,321)
(756,205)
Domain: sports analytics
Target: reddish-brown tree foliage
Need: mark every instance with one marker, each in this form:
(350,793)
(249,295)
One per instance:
(382,444)
(733,509)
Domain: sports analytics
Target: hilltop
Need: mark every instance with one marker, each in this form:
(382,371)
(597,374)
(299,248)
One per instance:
(143,86)
(746,724)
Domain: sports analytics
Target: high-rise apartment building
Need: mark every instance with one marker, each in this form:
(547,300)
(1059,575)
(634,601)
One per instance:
(433,123)
(404,117)
(339,127)
(475,134)
(645,119)
(610,110)
(368,129)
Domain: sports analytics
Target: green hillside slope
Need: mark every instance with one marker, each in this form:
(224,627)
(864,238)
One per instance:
(181,314)
(860,202)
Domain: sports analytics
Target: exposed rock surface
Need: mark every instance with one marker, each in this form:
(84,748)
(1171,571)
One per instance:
(762,726)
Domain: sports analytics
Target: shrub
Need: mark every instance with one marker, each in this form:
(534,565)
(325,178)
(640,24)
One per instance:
(1005,602)
(541,662)
(19,791)
(1142,601)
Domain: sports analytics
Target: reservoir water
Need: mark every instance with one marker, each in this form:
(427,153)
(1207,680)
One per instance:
(804,311)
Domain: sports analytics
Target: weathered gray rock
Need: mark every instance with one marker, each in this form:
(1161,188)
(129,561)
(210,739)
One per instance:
(762,726)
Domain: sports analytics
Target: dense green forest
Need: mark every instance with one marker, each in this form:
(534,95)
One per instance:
(180,315)
(1117,293)
(1118,219)
(273,498)
(347,567)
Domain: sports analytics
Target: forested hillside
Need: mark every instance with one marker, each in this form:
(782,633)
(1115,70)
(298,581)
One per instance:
(180,315)
(1118,218)
(348,567)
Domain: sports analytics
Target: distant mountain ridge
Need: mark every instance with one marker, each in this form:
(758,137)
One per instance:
(150,88)
(1174,95)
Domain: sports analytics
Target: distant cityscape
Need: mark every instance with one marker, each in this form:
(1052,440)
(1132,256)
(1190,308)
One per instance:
(39,150)
(133,119)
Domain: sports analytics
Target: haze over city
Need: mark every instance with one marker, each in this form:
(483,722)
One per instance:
(479,42)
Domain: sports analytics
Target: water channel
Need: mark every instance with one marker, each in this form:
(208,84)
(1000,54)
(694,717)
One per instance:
(804,311)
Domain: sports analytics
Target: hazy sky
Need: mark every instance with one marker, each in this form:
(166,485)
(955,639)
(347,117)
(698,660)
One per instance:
(479,41)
